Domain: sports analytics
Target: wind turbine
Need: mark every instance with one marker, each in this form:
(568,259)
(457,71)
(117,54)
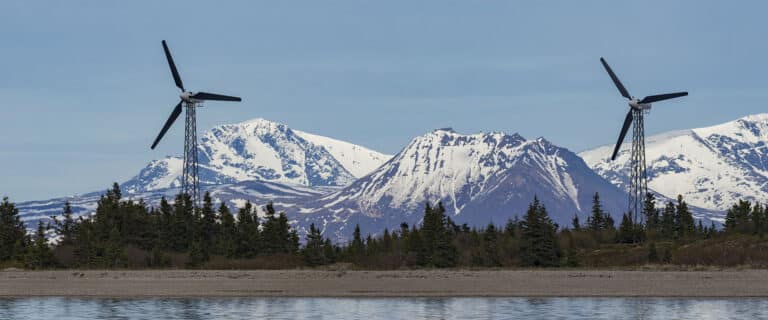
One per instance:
(190,184)
(638,180)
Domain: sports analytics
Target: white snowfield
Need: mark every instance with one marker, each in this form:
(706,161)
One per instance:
(712,167)
(263,150)
(358,160)
(445,165)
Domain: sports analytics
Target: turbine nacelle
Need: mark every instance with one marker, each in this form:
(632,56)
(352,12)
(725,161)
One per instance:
(188,97)
(637,104)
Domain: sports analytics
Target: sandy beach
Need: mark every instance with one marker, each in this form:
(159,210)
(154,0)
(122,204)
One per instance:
(419,283)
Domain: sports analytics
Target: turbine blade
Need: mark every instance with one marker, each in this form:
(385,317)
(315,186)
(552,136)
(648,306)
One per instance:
(616,80)
(175,114)
(627,123)
(213,96)
(661,97)
(175,72)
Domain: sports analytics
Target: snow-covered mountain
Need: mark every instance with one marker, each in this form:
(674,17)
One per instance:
(711,167)
(480,178)
(266,151)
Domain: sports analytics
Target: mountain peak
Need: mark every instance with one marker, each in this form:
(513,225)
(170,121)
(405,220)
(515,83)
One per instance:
(264,150)
(712,167)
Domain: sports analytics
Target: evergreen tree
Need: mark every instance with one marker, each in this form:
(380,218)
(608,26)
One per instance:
(329,252)
(575,223)
(248,232)
(386,241)
(597,221)
(491,246)
(512,226)
(313,252)
(626,230)
(668,221)
(538,247)
(164,224)
(758,219)
(293,242)
(686,226)
(357,248)
(40,255)
(437,246)
(13,236)
(228,233)
(571,256)
(737,219)
(196,255)
(207,227)
(113,254)
(276,234)
(652,219)
(183,223)
(66,227)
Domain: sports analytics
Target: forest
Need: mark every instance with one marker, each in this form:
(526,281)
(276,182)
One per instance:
(128,234)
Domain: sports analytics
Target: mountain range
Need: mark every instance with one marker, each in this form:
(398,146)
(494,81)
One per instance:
(712,167)
(266,151)
(480,178)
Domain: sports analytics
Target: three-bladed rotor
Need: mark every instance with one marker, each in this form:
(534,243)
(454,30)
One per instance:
(186,97)
(634,104)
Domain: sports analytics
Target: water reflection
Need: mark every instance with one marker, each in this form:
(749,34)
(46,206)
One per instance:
(383,308)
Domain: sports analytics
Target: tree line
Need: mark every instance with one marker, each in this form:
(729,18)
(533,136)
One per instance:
(124,233)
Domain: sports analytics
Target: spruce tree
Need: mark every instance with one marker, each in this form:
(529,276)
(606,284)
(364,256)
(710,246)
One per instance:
(386,241)
(538,246)
(737,219)
(686,226)
(652,219)
(164,225)
(13,236)
(571,255)
(626,230)
(437,242)
(329,252)
(668,221)
(276,234)
(207,227)
(248,234)
(357,247)
(65,228)
(313,252)
(491,246)
(758,219)
(228,233)
(40,255)
(575,223)
(114,255)
(597,221)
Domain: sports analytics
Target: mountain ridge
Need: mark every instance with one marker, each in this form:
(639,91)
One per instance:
(712,167)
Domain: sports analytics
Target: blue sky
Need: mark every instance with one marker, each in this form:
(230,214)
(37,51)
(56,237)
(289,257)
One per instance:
(85,87)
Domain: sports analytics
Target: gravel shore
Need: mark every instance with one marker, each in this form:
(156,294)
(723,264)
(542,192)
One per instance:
(418,283)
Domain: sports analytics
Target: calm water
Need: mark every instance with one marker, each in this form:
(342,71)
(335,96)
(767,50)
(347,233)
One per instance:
(384,308)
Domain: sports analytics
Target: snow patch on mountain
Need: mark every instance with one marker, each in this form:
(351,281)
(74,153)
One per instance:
(263,150)
(712,167)
(480,178)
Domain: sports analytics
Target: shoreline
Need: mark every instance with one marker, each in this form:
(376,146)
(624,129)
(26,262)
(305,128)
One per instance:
(370,284)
